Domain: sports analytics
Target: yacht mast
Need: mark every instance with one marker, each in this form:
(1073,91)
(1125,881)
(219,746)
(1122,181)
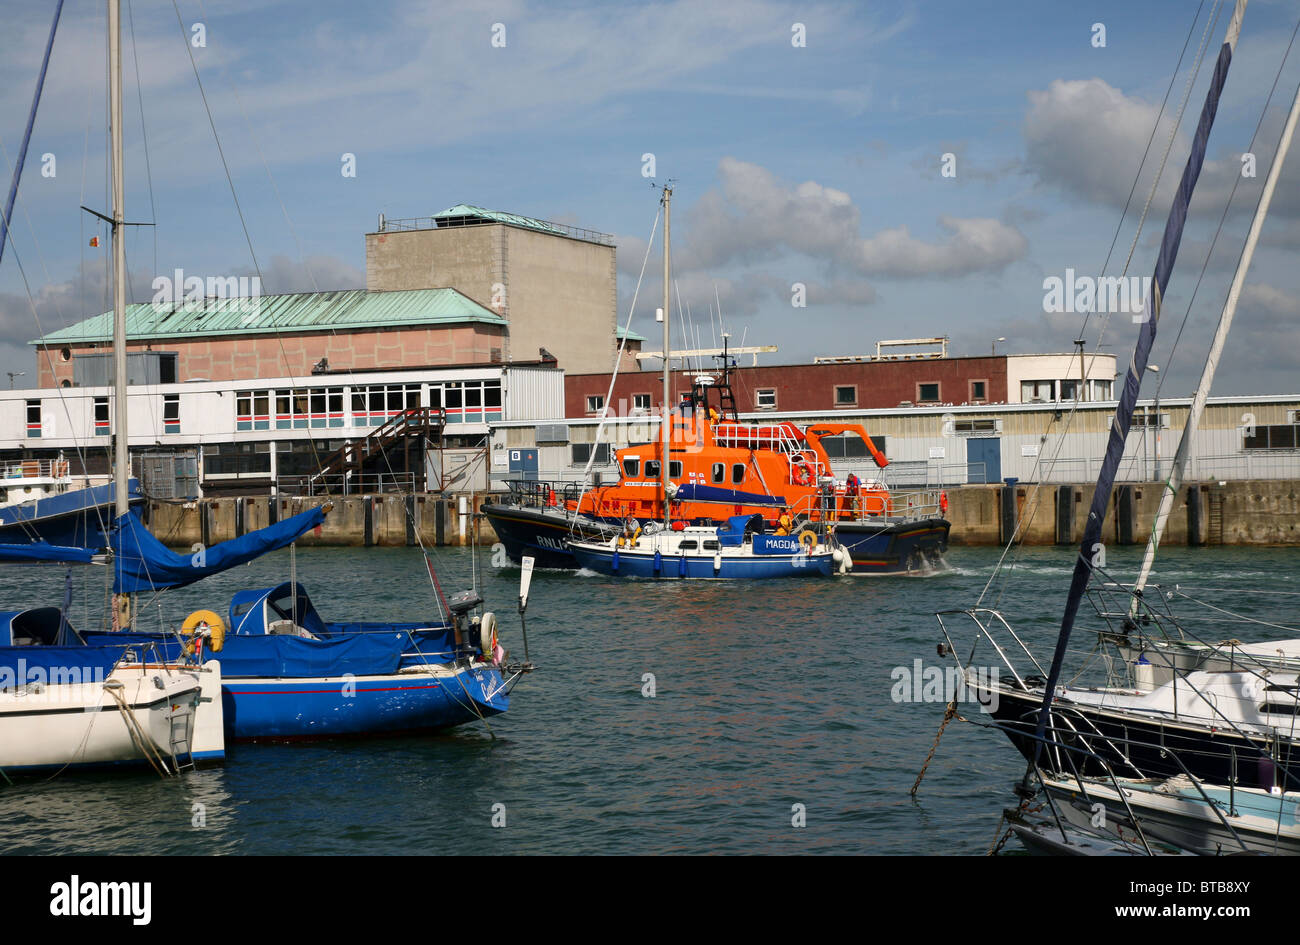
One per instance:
(120,456)
(666,424)
(1212,358)
(121,602)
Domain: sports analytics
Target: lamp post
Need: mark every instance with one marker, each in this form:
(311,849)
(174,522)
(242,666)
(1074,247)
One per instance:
(996,342)
(12,375)
(1155,369)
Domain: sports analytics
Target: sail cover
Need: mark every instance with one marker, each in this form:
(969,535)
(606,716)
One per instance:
(39,551)
(1169,244)
(143,563)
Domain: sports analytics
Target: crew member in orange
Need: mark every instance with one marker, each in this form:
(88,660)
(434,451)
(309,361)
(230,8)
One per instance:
(852,488)
(783,524)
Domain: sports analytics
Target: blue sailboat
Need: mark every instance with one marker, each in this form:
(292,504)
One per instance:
(288,674)
(738,550)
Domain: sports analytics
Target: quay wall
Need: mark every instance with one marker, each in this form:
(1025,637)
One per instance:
(1247,512)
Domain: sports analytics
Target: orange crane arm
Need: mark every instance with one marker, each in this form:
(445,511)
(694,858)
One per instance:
(834,429)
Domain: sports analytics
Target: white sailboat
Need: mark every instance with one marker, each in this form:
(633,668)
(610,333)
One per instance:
(62,703)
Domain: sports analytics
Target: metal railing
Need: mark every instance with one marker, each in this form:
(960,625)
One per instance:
(542,226)
(345,484)
(35,469)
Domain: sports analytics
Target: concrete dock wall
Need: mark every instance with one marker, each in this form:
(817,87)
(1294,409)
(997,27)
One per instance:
(379,520)
(1251,512)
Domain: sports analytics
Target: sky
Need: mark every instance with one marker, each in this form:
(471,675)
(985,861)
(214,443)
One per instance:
(918,168)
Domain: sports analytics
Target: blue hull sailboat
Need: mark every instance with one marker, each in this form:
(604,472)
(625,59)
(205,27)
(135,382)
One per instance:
(734,551)
(287,674)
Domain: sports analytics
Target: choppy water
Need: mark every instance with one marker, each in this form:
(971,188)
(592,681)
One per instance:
(767,696)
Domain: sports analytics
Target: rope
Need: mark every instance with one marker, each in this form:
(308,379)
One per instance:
(137,733)
(949,714)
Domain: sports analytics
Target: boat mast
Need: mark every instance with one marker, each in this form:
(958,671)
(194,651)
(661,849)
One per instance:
(667,411)
(120,455)
(1175,481)
(1169,243)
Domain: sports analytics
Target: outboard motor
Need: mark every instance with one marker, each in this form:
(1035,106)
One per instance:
(460,604)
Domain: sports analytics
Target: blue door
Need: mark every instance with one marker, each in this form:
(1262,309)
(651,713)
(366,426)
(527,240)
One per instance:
(523,464)
(984,459)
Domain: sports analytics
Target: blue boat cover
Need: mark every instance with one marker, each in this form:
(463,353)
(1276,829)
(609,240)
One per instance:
(143,563)
(43,626)
(733,533)
(39,551)
(287,657)
(250,611)
(53,665)
(694,492)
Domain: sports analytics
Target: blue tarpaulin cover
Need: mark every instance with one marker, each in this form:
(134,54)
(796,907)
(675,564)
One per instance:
(283,656)
(143,563)
(52,665)
(693,492)
(39,551)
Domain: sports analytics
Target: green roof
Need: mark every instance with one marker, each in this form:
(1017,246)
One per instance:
(464,214)
(300,311)
(620,333)
(496,216)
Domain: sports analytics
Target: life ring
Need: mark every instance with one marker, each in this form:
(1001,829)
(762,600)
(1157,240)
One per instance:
(205,622)
(487,634)
(803,474)
(808,538)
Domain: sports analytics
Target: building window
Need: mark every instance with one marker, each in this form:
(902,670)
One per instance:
(33,419)
(1145,419)
(1273,436)
(1069,389)
(765,398)
(171,413)
(641,402)
(375,404)
(927,393)
(975,425)
(1100,390)
(581,453)
(595,403)
(979,391)
(1037,392)
(846,395)
(236,459)
(849,445)
(102,424)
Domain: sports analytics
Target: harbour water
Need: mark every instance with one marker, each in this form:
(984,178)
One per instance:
(772,703)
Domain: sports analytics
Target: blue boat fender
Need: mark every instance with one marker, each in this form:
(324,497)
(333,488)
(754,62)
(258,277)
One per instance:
(681,566)
(613,563)
(659,562)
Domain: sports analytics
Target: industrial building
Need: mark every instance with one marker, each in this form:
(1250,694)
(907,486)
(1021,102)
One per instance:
(1239,438)
(871,382)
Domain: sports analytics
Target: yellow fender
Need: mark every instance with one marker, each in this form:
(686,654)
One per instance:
(205,620)
(808,538)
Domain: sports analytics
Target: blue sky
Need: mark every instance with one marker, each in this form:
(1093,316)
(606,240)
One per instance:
(817,164)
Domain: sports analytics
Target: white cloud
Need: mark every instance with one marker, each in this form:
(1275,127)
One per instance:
(754,216)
